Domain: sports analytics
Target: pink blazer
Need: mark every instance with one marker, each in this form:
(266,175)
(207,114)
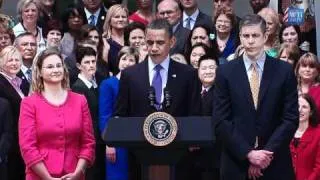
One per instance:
(56,135)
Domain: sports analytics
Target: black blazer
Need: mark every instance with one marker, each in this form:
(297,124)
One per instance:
(203,19)
(5,129)
(92,99)
(207,103)
(134,87)
(238,123)
(25,85)
(8,92)
(100,20)
(181,34)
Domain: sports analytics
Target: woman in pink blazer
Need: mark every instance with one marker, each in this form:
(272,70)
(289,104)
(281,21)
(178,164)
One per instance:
(305,146)
(55,128)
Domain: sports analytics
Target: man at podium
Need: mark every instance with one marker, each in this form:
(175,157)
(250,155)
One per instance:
(173,85)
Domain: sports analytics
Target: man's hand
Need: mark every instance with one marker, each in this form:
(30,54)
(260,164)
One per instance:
(260,158)
(254,172)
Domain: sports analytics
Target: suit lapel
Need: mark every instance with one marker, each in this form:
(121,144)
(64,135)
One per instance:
(242,76)
(172,75)
(267,75)
(145,74)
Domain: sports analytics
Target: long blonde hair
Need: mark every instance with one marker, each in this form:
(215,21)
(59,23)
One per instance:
(111,12)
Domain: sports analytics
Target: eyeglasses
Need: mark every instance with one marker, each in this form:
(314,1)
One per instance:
(51,66)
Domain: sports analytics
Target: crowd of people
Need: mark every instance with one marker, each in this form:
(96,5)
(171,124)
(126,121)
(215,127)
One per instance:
(63,77)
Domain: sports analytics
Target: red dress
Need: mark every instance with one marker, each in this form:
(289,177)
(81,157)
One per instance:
(306,155)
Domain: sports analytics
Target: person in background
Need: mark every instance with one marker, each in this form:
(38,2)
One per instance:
(6,36)
(27,46)
(307,72)
(87,86)
(89,32)
(207,159)
(94,13)
(113,34)
(144,13)
(116,158)
(290,34)
(53,33)
(134,36)
(5,136)
(199,34)
(73,21)
(10,64)
(170,10)
(109,3)
(226,39)
(55,142)
(47,12)
(28,15)
(290,53)
(257,5)
(305,148)
(273,24)
(198,50)
(192,16)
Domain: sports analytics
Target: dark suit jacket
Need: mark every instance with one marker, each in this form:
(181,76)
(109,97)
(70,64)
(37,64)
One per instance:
(203,19)
(25,85)
(5,129)
(181,34)
(207,103)
(134,87)
(237,123)
(99,21)
(92,99)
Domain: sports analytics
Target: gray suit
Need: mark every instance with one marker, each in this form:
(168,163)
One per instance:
(181,34)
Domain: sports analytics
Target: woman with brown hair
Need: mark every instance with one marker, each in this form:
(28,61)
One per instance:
(290,53)
(55,127)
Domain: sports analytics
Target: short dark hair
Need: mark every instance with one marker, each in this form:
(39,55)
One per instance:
(202,45)
(52,24)
(158,24)
(313,119)
(253,19)
(208,56)
(128,29)
(81,52)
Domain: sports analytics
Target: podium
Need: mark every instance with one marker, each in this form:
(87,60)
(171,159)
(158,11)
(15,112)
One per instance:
(127,132)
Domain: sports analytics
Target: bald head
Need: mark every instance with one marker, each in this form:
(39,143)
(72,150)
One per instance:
(169,10)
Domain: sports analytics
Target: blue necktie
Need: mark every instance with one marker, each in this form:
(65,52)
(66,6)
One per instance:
(157,83)
(188,24)
(29,75)
(92,20)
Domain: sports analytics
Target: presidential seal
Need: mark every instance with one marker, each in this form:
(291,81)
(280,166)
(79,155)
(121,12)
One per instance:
(160,129)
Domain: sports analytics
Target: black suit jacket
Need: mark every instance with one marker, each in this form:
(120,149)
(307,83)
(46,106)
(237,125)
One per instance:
(238,123)
(134,87)
(5,129)
(92,99)
(99,21)
(207,103)
(8,92)
(203,19)
(25,85)
(181,34)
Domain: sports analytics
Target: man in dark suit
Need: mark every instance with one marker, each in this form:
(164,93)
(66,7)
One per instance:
(255,110)
(5,136)
(192,16)
(85,84)
(169,10)
(163,74)
(94,13)
(26,43)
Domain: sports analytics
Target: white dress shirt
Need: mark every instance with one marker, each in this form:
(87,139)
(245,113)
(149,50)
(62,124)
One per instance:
(96,15)
(88,83)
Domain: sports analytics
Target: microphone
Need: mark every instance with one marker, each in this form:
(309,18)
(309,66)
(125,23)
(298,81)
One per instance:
(167,97)
(152,96)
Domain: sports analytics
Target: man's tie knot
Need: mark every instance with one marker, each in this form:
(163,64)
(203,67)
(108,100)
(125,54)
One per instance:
(158,68)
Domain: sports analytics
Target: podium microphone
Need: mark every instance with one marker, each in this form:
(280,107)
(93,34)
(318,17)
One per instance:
(167,97)
(152,96)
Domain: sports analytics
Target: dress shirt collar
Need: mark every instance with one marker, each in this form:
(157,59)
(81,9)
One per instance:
(24,70)
(96,14)
(260,62)
(193,16)
(206,88)
(87,82)
(164,64)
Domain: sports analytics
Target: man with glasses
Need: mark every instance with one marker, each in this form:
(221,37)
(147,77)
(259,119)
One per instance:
(27,45)
(170,10)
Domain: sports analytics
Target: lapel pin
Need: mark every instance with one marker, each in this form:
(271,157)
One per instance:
(174,75)
(102,17)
